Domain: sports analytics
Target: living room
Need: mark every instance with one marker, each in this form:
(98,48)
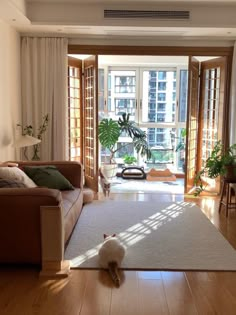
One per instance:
(211,29)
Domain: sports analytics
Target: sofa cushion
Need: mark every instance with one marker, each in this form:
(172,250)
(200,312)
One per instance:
(11,183)
(72,206)
(48,176)
(15,173)
(69,198)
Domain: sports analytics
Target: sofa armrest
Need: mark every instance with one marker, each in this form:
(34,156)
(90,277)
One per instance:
(21,224)
(72,170)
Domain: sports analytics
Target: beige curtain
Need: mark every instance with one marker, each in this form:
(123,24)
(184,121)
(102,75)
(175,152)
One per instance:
(44,91)
(233,100)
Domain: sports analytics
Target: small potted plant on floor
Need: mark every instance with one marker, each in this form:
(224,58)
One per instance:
(109,132)
(221,162)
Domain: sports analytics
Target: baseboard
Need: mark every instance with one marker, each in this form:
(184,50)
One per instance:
(55,270)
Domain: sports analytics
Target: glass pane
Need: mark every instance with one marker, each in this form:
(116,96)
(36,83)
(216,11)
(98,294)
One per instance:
(159,93)
(74,113)
(101,102)
(162,145)
(183,95)
(121,93)
(211,112)
(125,106)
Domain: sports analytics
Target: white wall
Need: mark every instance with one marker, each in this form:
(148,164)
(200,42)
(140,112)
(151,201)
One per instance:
(10,105)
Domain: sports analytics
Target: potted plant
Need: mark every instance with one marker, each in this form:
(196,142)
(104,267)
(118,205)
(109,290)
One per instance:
(29,130)
(129,159)
(109,132)
(221,162)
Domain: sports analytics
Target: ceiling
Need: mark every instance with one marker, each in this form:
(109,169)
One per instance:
(207,20)
(131,1)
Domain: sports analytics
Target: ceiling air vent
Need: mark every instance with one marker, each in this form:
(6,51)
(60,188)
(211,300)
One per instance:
(129,14)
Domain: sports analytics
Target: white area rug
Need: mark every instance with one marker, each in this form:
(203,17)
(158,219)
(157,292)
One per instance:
(158,236)
(120,185)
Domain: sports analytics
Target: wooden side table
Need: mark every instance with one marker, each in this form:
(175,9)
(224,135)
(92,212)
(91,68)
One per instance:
(228,201)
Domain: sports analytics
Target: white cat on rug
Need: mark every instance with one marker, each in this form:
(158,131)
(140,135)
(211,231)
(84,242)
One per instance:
(111,254)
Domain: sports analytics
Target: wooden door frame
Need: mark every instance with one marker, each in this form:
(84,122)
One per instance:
(150,50)
(189,182)
(224,114)
(78,64)
(188,51)
(91,180)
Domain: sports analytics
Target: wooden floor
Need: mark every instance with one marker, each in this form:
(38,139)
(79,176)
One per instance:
(22,292)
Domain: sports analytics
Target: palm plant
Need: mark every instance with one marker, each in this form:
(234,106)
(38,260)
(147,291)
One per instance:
(110,130)
(221,162)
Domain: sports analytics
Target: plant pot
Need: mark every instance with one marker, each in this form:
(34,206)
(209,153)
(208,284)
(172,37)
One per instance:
(230,172)
(109,170)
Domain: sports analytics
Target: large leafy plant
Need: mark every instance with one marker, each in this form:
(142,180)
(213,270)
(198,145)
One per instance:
(216,165)
(110,130)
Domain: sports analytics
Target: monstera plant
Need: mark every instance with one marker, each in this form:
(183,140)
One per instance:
(110,130)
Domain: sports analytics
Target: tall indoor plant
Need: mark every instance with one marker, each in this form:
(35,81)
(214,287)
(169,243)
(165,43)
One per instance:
(221,162)
(110,130)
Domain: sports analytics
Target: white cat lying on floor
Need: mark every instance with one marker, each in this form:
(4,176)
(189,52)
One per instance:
(111,255)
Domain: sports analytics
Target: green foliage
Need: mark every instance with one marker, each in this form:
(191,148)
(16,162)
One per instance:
(29,130)
(182,143)
(110,130)
(108,133)
(43,127)
(216,164)
(128,159)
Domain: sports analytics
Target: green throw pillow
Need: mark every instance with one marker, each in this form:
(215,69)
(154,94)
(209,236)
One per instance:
(48,176)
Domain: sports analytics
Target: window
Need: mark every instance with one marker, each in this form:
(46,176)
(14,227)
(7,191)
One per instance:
(101,99)
(152,85)
(121,93)
(152,96)
(127,149)
(161,75)
(124,84)
(161,97)
(161,107)
(161,86)
(124,106)
(183,85)
(153,107)
(161,117)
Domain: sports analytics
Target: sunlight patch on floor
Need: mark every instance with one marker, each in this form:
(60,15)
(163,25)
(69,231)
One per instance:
(139,231)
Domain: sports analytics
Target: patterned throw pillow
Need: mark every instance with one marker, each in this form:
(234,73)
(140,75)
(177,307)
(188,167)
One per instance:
(11,183)
(15,173)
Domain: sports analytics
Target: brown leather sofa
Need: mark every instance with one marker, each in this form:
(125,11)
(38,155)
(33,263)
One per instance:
(36,223)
